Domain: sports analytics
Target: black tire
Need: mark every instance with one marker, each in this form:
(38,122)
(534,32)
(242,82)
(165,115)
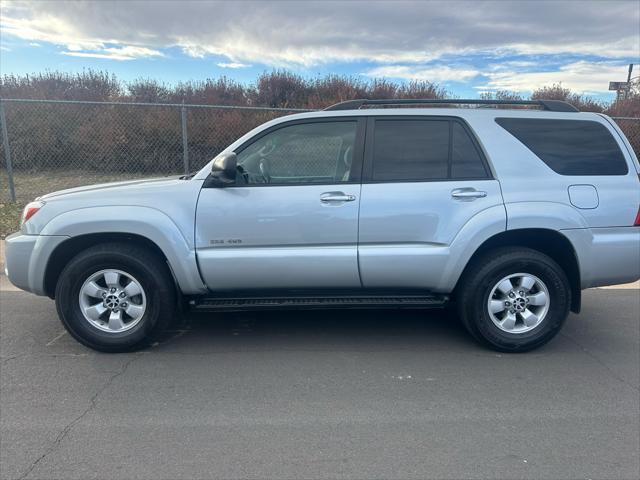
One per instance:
(148,268)
(485,272)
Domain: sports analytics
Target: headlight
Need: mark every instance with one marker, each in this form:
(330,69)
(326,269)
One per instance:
(30,210)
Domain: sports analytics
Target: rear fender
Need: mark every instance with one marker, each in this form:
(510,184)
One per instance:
(547,215)
(471,236)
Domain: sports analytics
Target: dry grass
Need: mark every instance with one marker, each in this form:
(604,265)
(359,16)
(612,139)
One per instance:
(9,218)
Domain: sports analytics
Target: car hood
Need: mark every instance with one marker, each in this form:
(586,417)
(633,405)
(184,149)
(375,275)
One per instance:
(125,185)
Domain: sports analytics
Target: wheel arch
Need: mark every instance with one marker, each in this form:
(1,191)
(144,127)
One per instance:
(68,249)
(147,226)
(547,241)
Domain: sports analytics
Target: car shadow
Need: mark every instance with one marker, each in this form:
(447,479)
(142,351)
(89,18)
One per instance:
(317,329)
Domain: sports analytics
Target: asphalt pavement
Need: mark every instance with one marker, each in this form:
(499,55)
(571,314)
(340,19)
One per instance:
(337,394)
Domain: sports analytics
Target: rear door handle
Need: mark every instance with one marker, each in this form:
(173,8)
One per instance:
(467,194)
(335,197)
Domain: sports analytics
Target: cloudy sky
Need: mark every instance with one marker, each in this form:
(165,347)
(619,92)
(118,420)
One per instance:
(468,47)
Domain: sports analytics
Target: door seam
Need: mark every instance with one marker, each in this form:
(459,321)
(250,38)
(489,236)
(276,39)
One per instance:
(358,239)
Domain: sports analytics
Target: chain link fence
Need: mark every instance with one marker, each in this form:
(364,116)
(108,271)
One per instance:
(54,145)
(631,128)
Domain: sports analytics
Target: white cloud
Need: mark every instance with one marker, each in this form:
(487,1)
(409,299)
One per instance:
(311,33)
(194,51)
(128,52)
(44,27)
(432,74)
(233,65)
(106,56)
(582,77)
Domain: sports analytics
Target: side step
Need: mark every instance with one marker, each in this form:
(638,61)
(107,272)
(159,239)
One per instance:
(317,302)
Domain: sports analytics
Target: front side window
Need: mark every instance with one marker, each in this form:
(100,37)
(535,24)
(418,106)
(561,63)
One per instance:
(305,153)
(569,147)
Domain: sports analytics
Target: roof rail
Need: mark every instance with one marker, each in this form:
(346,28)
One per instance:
(549,105)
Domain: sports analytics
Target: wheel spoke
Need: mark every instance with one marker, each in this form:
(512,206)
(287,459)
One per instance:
(539,299)
(505,286)
(112,279)
(134,311)
(497,306)
(530,318)
(132,289)
(92,289)
(95,311)
(115,320)
(509,321)
(527,282)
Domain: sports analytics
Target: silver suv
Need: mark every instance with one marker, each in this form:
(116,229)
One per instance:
(504,213)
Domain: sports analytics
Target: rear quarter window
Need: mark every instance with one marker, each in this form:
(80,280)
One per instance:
(569,147)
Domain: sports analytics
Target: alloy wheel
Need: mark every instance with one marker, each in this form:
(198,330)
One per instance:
(518,303)
(112,301)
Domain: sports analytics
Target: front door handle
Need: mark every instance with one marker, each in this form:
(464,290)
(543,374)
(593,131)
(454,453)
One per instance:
(335,197)
(467,194)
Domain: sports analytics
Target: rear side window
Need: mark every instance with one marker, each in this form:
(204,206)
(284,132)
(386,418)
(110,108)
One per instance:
(410,150)
(465,161)
(423,150)
(569,147)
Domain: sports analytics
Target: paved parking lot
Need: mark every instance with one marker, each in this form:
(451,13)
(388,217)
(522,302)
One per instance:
(391,394)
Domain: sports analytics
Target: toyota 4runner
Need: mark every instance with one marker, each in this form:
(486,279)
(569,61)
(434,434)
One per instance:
(504,213)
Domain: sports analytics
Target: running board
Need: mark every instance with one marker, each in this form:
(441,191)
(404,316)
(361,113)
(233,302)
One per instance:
(316,302)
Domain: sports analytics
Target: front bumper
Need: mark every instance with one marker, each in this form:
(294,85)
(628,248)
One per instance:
(26,259)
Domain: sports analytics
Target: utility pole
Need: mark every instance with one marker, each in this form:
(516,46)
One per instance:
(622,89)
(626,93)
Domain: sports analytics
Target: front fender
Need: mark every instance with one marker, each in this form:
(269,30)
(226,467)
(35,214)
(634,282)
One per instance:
(143,221)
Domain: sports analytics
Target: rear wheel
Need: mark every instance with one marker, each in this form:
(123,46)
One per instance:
(115,297)
(514,299)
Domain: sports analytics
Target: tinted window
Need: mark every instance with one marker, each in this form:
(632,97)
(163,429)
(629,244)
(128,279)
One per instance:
(303,153)
(465,159)
(569,147)
(410,150)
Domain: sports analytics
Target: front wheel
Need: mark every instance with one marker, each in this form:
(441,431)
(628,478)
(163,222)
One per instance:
(514,299)
(115,297)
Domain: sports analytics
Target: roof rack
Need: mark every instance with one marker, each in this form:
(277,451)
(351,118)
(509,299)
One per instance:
(549,105)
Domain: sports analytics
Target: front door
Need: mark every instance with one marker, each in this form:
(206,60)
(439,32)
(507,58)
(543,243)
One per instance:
(291,219)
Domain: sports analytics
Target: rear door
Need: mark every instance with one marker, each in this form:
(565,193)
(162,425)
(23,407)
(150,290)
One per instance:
(424,178)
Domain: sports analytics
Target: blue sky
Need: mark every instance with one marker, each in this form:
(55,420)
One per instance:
(467,47)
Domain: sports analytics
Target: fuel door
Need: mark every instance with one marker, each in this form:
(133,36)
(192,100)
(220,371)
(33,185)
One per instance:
(583,196)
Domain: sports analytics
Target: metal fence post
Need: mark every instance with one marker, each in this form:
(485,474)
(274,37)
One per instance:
(7,153)
(185,140)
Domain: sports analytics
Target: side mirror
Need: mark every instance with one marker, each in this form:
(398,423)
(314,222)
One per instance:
(224,169)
